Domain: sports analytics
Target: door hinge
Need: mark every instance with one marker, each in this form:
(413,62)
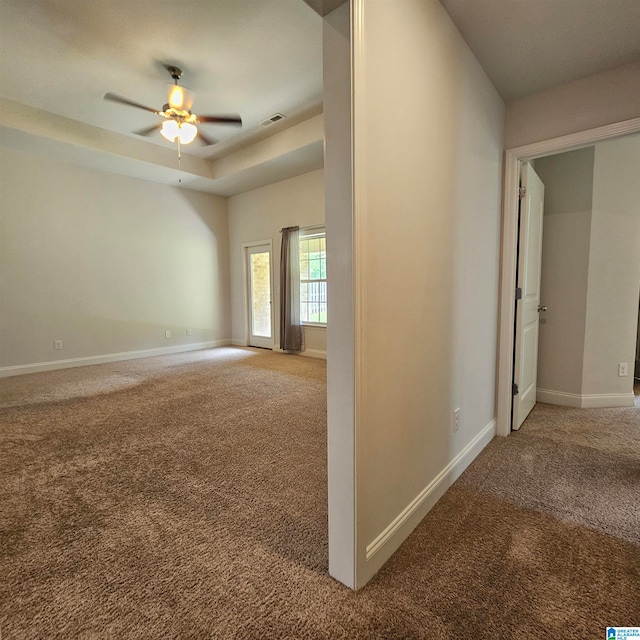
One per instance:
(514,389)
(522,192)
(518,293)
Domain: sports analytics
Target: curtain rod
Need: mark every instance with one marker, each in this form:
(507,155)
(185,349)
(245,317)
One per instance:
(311,228)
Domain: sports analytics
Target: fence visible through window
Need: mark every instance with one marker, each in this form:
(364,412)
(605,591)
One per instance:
(313,301)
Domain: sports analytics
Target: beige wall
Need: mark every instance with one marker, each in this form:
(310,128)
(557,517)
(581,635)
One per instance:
(427,133)
(604,98)
(568,181)
(259,215)
(614,268)
(105,263)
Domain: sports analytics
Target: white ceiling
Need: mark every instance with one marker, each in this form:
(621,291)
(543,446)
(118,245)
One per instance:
(250,57)
(530,45)
(254,58)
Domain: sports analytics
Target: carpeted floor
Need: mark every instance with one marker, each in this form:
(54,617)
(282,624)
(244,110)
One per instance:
(185,497)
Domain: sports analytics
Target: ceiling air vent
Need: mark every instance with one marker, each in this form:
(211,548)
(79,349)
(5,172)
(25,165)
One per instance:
(276,117)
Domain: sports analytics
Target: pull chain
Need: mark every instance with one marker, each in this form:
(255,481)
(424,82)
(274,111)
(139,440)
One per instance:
(179,159)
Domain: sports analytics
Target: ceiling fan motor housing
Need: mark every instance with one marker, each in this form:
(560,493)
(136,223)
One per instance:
(175,72)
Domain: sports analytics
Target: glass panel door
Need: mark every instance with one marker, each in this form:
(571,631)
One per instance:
(259,289)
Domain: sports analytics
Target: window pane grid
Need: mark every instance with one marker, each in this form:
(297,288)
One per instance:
(313,301)
(313,279)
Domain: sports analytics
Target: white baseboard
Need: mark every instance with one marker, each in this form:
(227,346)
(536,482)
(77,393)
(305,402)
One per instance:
(559,397)
(585,401)
(314,353)
(52,365)
(396,532)
(595,401)
(309,353)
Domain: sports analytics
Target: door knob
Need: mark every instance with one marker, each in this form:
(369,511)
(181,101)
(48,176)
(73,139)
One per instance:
(541,308)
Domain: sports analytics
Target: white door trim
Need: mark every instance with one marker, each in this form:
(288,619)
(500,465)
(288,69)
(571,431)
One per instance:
(513,159)
(247,293)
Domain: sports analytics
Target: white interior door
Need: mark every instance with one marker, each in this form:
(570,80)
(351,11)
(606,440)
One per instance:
(528,306)
(259,294)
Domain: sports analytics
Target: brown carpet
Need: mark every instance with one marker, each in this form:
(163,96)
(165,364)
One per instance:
(185,497)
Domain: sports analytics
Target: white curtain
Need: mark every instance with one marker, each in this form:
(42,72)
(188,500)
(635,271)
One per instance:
(291,331)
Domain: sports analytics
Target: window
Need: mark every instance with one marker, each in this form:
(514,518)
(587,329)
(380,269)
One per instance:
(313,276)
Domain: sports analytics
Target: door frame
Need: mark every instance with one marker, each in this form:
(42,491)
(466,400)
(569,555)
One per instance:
(512,164)
(247,289)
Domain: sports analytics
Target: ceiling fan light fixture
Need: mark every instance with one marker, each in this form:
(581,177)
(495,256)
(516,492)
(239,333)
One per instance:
(169,130)
(185,131)
(180,98)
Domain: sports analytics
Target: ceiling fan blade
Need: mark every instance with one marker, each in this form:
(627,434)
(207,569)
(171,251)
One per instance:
(147,130)
(237,120)
(205,139)
(130,103)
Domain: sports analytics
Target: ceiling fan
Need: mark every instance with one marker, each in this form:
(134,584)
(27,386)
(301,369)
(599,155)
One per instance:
(179,123)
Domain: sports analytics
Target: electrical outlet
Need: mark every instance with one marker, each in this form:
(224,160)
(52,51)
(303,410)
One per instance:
(167,334)
(623,369)
(57,344)
(456,419)
(188,332)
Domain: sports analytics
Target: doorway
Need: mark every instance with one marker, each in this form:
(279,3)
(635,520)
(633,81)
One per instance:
(514,159)
(259,288)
